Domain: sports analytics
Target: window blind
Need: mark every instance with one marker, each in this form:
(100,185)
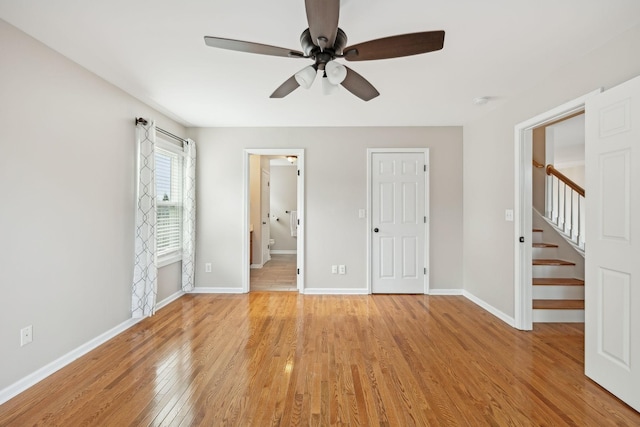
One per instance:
(169,178)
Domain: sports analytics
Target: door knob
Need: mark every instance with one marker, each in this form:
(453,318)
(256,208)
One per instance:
(375,230)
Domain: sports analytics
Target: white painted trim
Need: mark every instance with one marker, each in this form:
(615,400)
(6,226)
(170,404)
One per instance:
(441,292)
(284,251)
(256,266)
(523,310)
(168,300)
(170,258)
(35,377)
(558,316)
(336,291)
(425,151)
(299,152)
(488,307)
(214,290)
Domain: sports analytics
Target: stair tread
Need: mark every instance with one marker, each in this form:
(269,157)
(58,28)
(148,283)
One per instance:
(543,261)
(557,281)
(537,230)
(544,245)
(558,304)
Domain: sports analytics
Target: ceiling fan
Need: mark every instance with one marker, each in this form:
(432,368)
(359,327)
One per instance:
(323,42)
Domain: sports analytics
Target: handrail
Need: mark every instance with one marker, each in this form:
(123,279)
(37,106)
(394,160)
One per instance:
(537,165)
(555,172)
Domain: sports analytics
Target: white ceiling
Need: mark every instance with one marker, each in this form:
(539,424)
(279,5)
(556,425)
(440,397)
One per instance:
(155,51)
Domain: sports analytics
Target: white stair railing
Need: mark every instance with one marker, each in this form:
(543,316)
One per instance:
(565,206)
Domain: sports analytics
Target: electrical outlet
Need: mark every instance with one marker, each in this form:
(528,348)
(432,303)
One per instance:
(26,335)
(342,269)
(334,269)
(207,267)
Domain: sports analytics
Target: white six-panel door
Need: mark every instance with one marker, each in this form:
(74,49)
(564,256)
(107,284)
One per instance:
(398,222)
(612,263)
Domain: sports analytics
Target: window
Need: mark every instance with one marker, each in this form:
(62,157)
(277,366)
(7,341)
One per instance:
(169,181)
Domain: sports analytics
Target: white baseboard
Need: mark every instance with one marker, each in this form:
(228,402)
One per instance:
(335,291)
(491,309)
(283,251)
(212,290)
(558,316)
(445,291)
(42,373)
(256,266)
(168,300)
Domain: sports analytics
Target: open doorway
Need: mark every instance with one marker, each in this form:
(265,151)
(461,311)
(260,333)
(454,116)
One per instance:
(523,222)
(274,209)
(558,219)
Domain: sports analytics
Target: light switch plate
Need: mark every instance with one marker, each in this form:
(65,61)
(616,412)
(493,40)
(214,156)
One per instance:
(508,215)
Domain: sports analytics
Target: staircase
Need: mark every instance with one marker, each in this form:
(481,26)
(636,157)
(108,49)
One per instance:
(558,296)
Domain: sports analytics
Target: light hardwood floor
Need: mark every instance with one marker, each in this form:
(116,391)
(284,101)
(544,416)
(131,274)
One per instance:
(279,274)
(281,358)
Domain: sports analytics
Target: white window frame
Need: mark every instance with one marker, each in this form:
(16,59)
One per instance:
(175,255)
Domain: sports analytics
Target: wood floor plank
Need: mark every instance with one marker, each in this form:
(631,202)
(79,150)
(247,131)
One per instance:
(285,359)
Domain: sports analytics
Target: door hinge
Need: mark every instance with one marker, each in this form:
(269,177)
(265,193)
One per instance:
(425,219)
(298,271)
(521,239)
(298,172)
(425,168)
(425,271)
(298,222)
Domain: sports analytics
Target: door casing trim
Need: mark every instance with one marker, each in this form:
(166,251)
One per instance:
(299,152)
(522,224)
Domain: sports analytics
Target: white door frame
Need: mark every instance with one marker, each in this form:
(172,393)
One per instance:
(523,289)
(299,152)
(425,152)
(265,228)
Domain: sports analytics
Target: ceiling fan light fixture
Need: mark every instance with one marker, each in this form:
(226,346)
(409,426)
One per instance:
(329,88)
(306,76)
(336,73)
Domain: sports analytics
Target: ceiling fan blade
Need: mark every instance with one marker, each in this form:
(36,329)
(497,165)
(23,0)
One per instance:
(396,46)
(250,47)
(286,88)
(322,16)
(359,86)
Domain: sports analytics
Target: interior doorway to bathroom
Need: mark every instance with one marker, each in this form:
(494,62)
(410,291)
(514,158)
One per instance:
(274,190)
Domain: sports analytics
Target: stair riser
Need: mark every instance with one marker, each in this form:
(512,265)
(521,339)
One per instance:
(536,236)
(558,292)
(544,253)
(558,316)
(553,271)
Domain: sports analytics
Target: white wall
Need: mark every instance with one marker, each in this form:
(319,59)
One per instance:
(489,183)
(284,180)
(67,211)
(335,168)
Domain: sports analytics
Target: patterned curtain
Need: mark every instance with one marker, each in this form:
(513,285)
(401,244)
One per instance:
(189,216)
(145,272)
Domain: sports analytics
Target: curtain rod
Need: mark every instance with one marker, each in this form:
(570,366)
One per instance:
(140,120)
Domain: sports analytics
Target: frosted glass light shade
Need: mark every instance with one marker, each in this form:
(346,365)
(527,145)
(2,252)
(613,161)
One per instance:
(306,76)
(329,88)
(336,73)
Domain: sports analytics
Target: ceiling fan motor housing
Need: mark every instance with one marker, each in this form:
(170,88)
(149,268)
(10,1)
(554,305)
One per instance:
(311,49)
